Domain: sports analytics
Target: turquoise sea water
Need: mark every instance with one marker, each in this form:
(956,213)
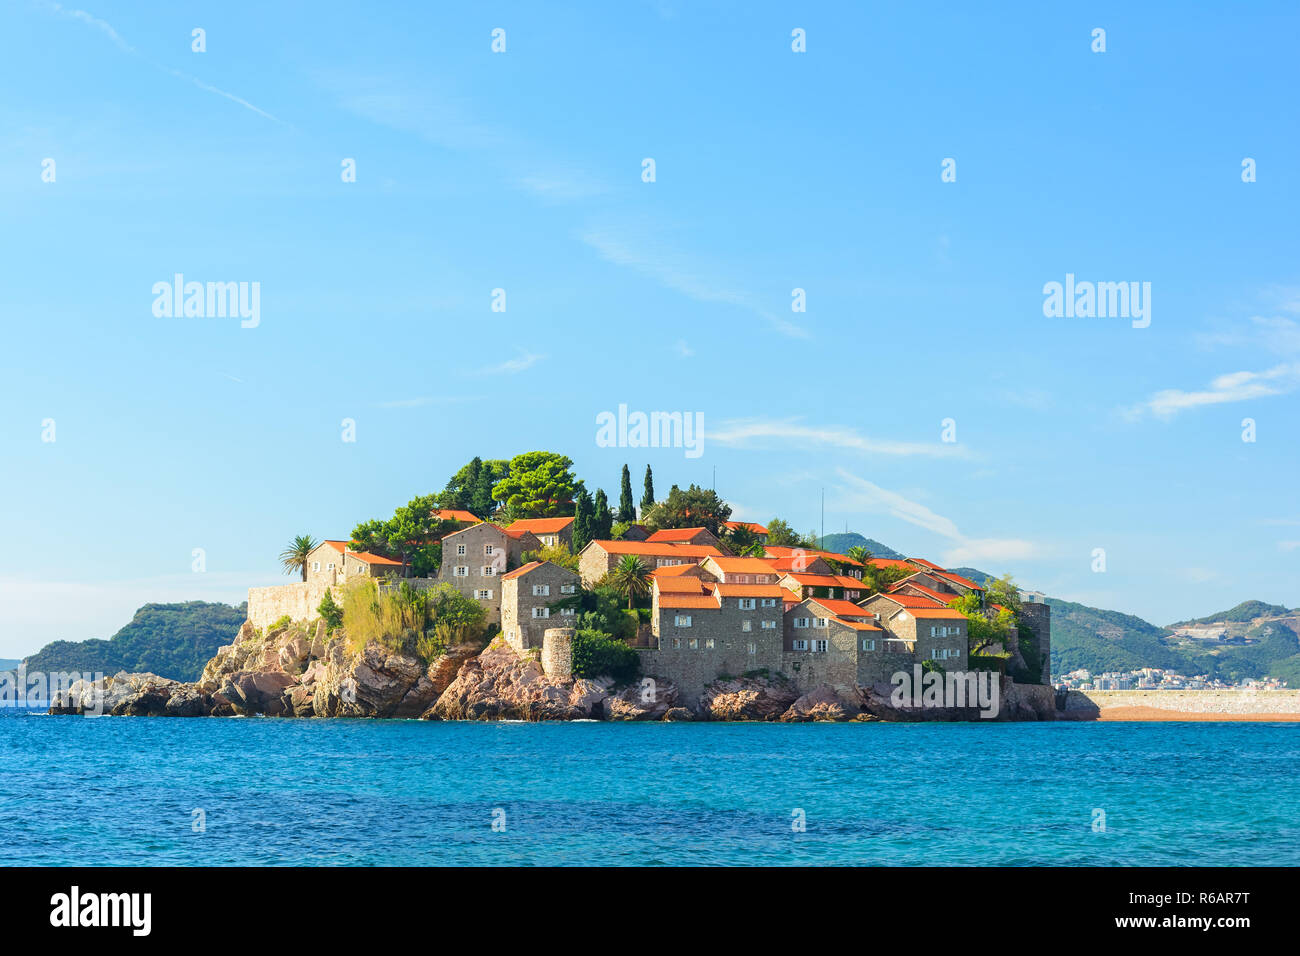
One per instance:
(117,790)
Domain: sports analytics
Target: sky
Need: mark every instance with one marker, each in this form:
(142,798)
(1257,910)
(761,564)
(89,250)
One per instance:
(133,440)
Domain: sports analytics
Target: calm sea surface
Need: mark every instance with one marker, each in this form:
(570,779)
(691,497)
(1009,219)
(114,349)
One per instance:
(118,790)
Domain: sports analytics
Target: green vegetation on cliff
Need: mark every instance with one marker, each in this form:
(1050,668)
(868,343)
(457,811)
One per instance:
(170,640)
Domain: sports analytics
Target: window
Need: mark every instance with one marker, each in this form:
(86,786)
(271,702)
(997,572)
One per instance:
(487,549)
(682,620)
(769,602)
(460,571)
(819,646)
(753,648)
(852,594)
(541,590)
(566,612)
(747,625)
(460,549)
(483,593)
(769,625)
(315,565)
(330,566)
(548,539)
(799,645)
(488,570)
(801,622)
(540,612)
(747,604)
(708,644)
(822,622)
(677,643)
(934,632)
(693,644)
(868,643)
(568,589)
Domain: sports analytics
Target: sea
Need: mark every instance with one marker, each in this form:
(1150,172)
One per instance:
(105,791)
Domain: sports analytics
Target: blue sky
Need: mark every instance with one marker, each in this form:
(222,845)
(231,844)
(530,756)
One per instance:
(775,170)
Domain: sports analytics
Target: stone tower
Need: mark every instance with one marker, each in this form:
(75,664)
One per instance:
(557,652)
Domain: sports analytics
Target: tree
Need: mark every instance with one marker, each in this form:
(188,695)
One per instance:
(329,610)
(540,484)
(481,502)
(861,555)
(412,536)
(629,578)
(780,534)
(460,490)
(583,520)
(294,557)
(983,633)
(648,495)
(695,507)
(603,521)
(626,509)
(556,554)
(1003,591)
(740,540)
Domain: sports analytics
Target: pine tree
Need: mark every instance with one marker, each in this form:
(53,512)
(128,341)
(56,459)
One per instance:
(603,520)
(648,497)
(481,503)
(582,521)
(626,509)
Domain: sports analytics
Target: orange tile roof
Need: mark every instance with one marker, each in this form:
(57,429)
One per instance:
(679,585)
(339,546)
(699,601)
(928,592)
(786,551)
(456,514)
(751,525)
(889,563)
(518,572)
(937,612)
(674,570)
(541,525)
(676,534)
(743,565)
(749,590)
(857,625)
(792,562)
(789,596)
(516,533)
(913,600)
(967,582)
(367,558)
(827,581)
(843,608)
(926,564)
(664,549)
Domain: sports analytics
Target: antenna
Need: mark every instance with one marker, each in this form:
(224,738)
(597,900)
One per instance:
(820,543)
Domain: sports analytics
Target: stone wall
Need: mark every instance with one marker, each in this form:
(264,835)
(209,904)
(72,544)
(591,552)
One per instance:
(1039,616)
(1083,704)
(299,601)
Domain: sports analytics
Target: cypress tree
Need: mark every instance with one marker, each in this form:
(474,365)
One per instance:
(481,501)
(602,522)
(626,509)
(582,521)
(648,497)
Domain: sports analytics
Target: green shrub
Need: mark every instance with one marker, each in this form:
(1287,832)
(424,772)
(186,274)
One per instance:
(280,624)
(596,654)
(330,611)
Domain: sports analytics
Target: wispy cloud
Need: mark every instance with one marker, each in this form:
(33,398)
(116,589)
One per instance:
(1231,387)
(420,401)
(668,270)
(865,496)
(512,366)
(106,28)
(682,349)
(742,432)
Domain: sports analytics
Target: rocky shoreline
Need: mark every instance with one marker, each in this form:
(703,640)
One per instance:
(300,670)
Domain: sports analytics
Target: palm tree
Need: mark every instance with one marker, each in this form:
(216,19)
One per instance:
(860,554)
(630,577)
(294,557)
(740,539)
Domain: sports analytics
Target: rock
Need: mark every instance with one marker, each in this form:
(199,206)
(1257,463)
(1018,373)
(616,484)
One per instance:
(188,701)
(123,694)
(746,698)
(587,696)
(257,692)
(500,685)
(824,703)
(302,699)
(675,714)
(642,701)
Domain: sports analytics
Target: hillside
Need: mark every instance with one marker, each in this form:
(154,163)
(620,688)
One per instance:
(840,544)
(170,640)
(1245,611)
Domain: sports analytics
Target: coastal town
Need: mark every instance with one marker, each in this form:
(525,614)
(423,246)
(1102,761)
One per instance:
(1155,678)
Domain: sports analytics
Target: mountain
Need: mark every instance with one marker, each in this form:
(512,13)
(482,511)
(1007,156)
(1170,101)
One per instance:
(170,640)
(840,544)
(1245,611)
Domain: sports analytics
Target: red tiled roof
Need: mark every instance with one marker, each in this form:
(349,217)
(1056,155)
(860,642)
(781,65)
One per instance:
(516,533)
(519,572)
(751,525)
(731,565)
(676,534)
(928,592)
(541,525)
(933,612)
(665,549)
(679,585)
(857,625)
(827,581)
(925,564)
(367,558)
(456,514)
(913,600)
(674,571)
(889,563)
(842,608)
(339,546)
(966,582)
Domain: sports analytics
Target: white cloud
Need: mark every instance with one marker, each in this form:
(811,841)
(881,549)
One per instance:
(1231,387)
(740,432)
(513,366)
(668,269)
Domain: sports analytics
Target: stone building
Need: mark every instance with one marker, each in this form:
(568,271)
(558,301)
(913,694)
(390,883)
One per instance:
(330,562)
(835,586)
(931,631)
(474,560)
(684,536)
(527,598)
(599,557)
(550,531)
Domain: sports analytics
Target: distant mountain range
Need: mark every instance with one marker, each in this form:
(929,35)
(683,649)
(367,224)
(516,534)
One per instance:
(170,640)
(1259,640)
(841,543)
